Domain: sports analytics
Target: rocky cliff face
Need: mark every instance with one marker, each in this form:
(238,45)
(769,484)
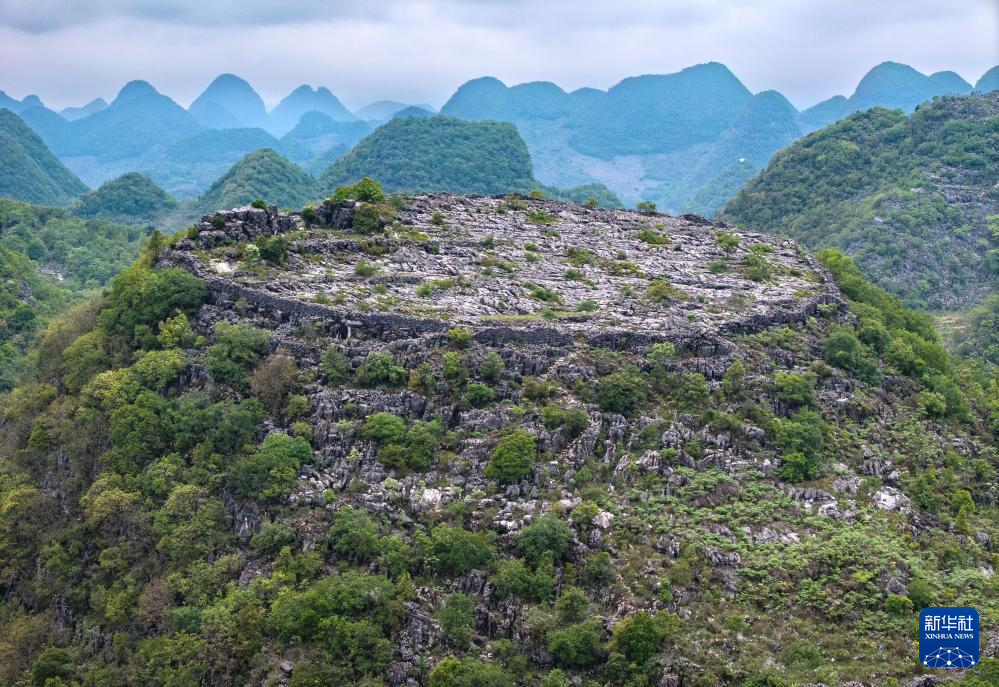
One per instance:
(693,350)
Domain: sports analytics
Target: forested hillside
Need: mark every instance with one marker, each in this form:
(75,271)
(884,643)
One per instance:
(468,442)
(437,154)
(911,198)
(131,198)
(29,171)
(27,301)
(49,258)
(261,174)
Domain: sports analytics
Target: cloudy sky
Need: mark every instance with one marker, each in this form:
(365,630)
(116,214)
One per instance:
(69,51)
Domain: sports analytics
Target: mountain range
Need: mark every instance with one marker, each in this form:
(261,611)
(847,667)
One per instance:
(686,141)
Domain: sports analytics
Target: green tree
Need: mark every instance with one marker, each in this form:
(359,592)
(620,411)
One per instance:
(270,472)
(578,646)
(455,551)
(384,428)
(638,637)
(381,369)
(467,672)
(335,366)
(457,620)
(513,457)
(547,533)
(354,536)
(367,190)
(622,392)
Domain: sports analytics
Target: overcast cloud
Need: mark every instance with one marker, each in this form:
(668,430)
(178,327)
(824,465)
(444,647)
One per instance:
(69,51)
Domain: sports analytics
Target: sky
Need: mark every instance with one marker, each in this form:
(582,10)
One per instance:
(70,51)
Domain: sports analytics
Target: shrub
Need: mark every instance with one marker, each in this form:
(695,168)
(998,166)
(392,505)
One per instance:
(512,578)
(797,467)
(335,366)
(272,537)
(756,268)
(578,646)
(541,217)
(547,533)
(354,536)
(932,403)
(556,678)
(459,337)
(638,637)
(646,207)
(140,297)
(513,458)
(422,440)
(802,654)
(800,438)
(653,238)
(457,620)
(363,268)
(309,215)
(478,395)
(921,594)
(385,428)
(580,256)
(661,291)
(367,190)
(268,473)
(543,293)
(467,672)
(727,241)
(795,389)
(843,349)
(380,369)
(492,366)
(236,348)
(733,383)
(455,551)
(898,605)
(538,390)
(350,595)
(571,606)
(175,332)
(454,369)
(54,666)
(273,379)
(575,421)
(273,249)
(622,392)
(599,570)
(367,219)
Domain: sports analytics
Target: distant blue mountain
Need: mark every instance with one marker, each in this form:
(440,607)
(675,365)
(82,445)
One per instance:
(19,106)
(414,111)
(229,102)
(386,109)
(893,85)
(73,113)
(989,81)
(304,99)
